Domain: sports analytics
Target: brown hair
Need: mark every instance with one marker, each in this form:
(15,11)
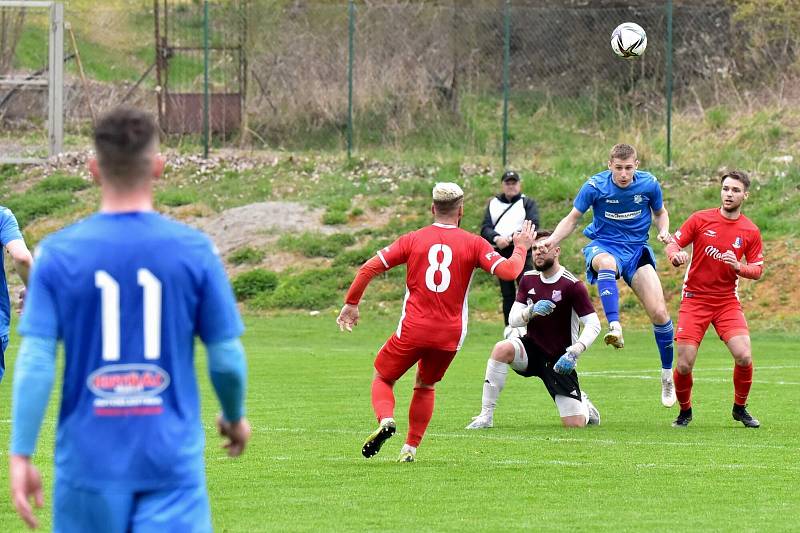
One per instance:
(739,175)
(122,139)
(448,207)
(622,151)
(541,234)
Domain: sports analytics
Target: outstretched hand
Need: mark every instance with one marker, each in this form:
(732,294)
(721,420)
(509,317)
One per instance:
(26,483)
(526,236)
(348,317)
(237,433)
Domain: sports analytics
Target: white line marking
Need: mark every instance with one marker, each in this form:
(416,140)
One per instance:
(531,438)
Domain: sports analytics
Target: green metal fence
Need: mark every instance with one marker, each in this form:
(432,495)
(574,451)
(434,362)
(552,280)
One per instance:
(463,76)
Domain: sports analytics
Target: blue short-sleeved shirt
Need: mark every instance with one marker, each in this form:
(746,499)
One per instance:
(127,293)
(619,215)
(9,231)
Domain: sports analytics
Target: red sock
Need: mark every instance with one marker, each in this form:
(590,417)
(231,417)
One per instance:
(382,398)
(419,414)
(742,380)
(683,388)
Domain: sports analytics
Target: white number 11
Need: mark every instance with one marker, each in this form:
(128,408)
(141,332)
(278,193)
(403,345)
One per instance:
(151,311)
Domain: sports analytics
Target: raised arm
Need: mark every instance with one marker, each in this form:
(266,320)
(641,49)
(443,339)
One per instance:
(563,229)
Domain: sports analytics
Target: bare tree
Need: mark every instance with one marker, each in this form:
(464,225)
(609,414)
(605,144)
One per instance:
(11,23)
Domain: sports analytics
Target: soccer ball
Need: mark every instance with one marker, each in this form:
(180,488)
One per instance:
(628,40)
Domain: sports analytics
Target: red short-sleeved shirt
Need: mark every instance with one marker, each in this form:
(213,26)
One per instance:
(441,260)
(712,235)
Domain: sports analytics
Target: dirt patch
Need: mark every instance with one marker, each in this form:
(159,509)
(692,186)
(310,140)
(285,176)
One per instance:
(260,225)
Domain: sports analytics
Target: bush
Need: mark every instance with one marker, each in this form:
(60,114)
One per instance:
(176,197)
(246,255)
(316,244)
(257,281)
(334,218)
(312,289)
(61,183)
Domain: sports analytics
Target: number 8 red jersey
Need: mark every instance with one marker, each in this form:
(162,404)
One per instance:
(441,260)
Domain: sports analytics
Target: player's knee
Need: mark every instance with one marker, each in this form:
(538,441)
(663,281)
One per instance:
(683,367)
(743,359)
(503,352)
(604,262)
(660,315)
(574,421)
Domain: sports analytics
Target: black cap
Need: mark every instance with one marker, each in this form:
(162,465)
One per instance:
(510,175)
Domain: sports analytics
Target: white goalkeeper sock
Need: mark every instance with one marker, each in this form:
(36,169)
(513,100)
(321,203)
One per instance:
(495,380)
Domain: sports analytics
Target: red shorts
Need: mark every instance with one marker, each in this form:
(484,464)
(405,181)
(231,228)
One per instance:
(396,357)
(696,314)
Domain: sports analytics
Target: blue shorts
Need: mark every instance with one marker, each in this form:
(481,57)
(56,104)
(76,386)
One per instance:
(629,258)
(3,346)
(80,510)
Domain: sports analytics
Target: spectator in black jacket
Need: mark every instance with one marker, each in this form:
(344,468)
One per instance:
(504,216)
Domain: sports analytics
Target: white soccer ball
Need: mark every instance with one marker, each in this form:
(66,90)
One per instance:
(628,40)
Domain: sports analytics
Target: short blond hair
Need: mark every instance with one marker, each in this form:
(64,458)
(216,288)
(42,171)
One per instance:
(622,151)
(447,197)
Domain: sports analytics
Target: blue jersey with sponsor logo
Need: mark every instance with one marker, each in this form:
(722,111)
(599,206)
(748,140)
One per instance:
(619,215)
(9,231)
(127,293)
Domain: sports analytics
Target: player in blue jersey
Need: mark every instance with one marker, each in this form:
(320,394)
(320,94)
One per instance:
(624,202)
(10,239)
(126,290)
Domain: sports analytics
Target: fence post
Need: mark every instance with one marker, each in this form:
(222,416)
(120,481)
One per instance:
(55,82)
(506,59)
(351,27)
(669,83)
(205,82)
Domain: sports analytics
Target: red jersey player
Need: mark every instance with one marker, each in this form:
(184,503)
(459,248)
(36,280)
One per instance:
(721,238)
(441,259)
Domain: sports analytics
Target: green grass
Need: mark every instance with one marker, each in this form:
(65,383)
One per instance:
(308,402)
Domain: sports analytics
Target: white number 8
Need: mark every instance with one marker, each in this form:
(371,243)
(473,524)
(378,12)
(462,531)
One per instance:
(436,266)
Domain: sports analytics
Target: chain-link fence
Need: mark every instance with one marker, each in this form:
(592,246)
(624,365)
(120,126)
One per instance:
(403,75)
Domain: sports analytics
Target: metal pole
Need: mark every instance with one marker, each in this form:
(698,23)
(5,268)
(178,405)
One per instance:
(506,60)
(205,81)
(350,31)
(669,83)
(55,115)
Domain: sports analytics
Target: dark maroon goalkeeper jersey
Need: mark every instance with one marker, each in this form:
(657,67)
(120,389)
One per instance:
(558,330)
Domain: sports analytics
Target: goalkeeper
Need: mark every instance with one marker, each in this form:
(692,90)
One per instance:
(553,303)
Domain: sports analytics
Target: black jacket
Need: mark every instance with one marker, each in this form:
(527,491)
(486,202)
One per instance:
(514,217)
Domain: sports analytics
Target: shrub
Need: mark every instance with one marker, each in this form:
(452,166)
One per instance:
(257,281)
(246,255)
(176,197)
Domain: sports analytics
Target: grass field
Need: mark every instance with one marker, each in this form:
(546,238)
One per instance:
(309,405)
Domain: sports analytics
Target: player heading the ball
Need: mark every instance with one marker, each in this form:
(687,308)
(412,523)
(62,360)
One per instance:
(624,202)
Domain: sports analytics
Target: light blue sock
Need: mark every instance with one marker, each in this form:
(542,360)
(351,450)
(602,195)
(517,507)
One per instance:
(609,294)
(664,334)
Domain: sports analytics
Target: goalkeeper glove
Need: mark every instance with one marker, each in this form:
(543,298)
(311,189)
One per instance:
(567,362)
(540,308)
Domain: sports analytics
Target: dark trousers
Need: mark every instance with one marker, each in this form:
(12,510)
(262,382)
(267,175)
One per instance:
(508,289)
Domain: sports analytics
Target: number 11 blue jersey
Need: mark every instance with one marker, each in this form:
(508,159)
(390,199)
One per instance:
(127,293)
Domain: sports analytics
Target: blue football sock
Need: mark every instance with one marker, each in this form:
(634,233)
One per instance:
(609,294)
(664,334)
